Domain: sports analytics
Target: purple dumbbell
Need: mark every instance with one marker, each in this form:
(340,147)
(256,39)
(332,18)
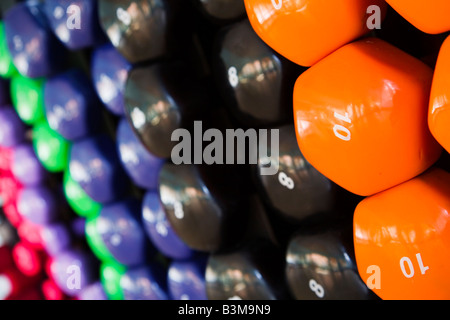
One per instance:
(120,229)
(73,270)
(12,129)
(94,164)
(71,105)
(144,283)
(75,22)
(109,71)
(35,50)
(37,204)
(159,230)
(186,279)
(56,237)
(93,291)
(141,166)
(26,166)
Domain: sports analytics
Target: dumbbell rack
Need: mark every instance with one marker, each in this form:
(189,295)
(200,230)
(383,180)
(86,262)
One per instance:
(95,204)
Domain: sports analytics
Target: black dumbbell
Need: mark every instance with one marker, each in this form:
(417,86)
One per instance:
(320,264)
(255,82)
(255,271)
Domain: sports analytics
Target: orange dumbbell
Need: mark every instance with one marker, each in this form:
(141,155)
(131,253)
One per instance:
(439,109)
(402,241)
(361,116)
(308,30)
(430,16)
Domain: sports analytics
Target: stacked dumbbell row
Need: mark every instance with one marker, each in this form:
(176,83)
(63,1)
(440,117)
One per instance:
(17,282)
(35,208)
(55,91)
(210,233)
(373,118)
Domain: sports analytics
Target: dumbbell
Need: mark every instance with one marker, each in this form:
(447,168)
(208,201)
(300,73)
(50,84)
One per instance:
(38,204)
(7,68)
(118,235)
(30,233)
(94,291)
(159,230)
(50,147)
(297,191)
(94,164)
(26,167)
(110,275)
(347,122)
(255,82)
(141,166)
(430,19)
(75,23)
(56,237)
(27,96)
(73,270)
(144,30)
(144,283)
(12,130)
(29,260)
(109,73)
(401,241)
(320,264)
(51,291)
(77,198)
(438,110)
(72,107)
(221,11)
(9,190)
(253,272)
(403,35)
(206,205)
(186,279)
(157,103)
(36,52)
(320,28)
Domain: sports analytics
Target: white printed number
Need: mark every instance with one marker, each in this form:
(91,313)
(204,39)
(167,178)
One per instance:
(339,130)
(286,181)
(316,288)
(233,77)
(277,4)
(407,261)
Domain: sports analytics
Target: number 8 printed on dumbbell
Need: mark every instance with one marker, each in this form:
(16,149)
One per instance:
(316,288)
